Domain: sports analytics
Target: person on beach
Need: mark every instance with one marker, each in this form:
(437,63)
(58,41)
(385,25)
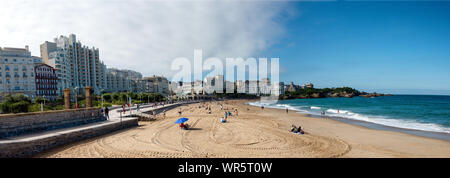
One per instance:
(262,107)
(179,111)
(107,113)
(164,113)
(294,129)
(287,110)
(123,108)
(300,131)
(223,120)
(183,126)
(226,115)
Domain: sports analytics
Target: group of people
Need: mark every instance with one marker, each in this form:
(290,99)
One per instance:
(298,129)
(184,126)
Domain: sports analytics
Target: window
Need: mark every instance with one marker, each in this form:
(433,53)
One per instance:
(15,60)
(6,67)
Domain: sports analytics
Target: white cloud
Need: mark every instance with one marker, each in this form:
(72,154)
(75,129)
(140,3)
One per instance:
(146,35)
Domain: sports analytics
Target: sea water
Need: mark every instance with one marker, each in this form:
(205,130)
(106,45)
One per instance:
(416,112)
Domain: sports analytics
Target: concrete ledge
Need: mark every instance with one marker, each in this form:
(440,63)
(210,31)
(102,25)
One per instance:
(25,123)
(27,146)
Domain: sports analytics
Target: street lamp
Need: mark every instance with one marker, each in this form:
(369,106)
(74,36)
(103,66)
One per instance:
(102,95)
(76,97)
(42,105)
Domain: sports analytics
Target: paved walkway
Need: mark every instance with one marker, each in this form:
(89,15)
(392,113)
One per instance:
(114,117)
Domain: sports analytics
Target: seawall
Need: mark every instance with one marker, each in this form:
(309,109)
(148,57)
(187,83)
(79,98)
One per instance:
(24,123)
(27,147)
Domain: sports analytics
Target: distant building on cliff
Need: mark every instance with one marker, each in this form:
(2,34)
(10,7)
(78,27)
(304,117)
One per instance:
(291,87)
(309,85)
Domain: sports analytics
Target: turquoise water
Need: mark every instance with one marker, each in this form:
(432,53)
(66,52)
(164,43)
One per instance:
(418,112)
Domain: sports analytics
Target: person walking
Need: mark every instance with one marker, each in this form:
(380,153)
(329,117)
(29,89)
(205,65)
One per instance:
(107,113)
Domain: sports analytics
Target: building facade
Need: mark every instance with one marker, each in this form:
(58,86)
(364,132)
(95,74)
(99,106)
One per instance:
(156,84)
(76,65)
(120,80)
(46,81)
(17,74)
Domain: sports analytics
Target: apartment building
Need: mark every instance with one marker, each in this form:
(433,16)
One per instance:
(121,80)
(17,75)
(156,84)
(46,81)
(75,65)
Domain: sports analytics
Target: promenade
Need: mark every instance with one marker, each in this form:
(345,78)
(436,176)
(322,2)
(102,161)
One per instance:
(30,144)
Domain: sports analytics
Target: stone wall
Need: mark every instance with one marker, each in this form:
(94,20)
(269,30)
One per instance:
(28,148)
(23,123)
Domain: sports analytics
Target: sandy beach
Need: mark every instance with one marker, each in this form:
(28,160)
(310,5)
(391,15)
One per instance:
(254,133)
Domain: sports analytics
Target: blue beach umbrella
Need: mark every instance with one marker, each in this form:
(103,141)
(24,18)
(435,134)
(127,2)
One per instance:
(181,120)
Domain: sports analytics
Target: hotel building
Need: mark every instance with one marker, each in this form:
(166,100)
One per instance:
(156,84)
(120,80)
(46,81)
(17,74)
(76,65)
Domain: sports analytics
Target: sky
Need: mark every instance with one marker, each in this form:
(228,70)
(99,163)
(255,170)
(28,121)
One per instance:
(391,47)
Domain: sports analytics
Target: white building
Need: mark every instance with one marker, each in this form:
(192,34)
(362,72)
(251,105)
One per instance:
(156,84)
(122,80)
(17,71)
(76,65)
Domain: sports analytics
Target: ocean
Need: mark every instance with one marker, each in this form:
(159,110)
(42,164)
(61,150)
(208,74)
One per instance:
(428,113)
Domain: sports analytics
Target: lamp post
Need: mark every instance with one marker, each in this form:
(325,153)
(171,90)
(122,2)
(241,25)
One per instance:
(102,95)
(76,97)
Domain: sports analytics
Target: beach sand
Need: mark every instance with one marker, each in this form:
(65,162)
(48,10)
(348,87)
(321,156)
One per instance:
(254,133)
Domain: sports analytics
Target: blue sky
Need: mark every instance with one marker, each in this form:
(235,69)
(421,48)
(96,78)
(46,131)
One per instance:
(394,47)
(390,47)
